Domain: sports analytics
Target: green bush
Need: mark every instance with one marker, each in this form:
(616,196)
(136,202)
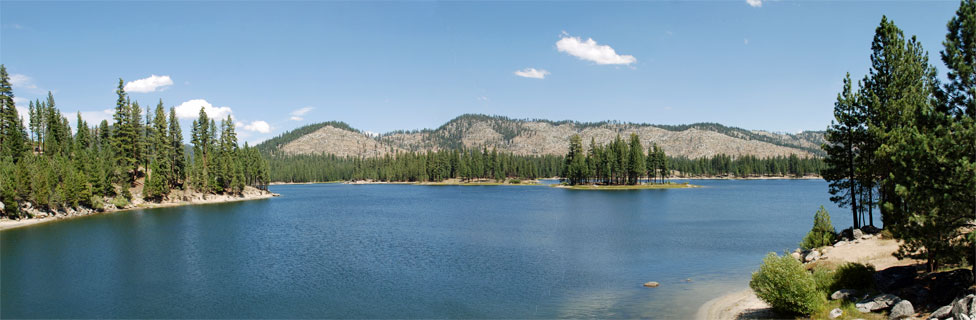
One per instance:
(825,280)
(823,232)
(786,286)
(120,202)
(854,276)
(515,181)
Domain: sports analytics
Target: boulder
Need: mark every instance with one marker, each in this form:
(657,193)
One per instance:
(857,234)
(878,302)
(651,284)
(903,309)
(960,307)
(812,256)
(846,294)
(797,256)
(894,278)
(1,207)
(942,313)
(836,313)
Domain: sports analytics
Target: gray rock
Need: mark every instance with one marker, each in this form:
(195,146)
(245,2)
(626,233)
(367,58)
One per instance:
(963,317)
(836,313)
(848,294)
(812,256)
(878,302)
(903,309)
(651,284)
(797,256)
(2,207)
(942,313)
(857,234)
(960,307)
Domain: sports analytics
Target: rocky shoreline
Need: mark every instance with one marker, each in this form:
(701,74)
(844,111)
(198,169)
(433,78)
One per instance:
(902,292)
(180,199)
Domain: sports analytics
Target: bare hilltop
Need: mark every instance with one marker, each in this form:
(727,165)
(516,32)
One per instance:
(542,137)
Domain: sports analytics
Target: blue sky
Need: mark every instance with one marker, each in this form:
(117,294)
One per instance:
(381,66)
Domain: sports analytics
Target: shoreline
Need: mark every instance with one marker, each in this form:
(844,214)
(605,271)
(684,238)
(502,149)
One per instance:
(7,224)
(744,304)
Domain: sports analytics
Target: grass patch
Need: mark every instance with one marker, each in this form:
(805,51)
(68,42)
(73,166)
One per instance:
(850,312)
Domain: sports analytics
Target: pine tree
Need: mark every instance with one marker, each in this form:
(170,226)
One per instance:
(177,157)
(12,134)
(844,139)
(635,162)
(124,137)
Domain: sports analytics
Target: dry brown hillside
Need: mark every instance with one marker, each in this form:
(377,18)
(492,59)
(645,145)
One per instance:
(538,137)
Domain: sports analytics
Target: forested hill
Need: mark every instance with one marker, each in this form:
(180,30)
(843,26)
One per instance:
(542,137)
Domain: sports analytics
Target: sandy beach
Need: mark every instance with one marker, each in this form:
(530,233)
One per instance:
(745,305)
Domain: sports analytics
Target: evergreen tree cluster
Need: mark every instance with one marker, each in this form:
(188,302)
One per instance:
(464,164)
(747,166)
(905,143)
(47,166)
(618,162)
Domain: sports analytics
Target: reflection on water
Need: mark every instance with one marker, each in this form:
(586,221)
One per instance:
(398,251)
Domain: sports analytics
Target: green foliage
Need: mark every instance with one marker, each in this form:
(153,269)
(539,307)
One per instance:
(822,233)
(120,201)
(853,276)
(783,283)
(824,280)
(514,181)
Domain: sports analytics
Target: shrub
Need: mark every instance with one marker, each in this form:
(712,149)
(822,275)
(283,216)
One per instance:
(825,280)
(786,286)
(823,232)
(854,276)
(120,202)
(515,181)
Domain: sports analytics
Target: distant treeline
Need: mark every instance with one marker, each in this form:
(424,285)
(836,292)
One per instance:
(747,166)
(468,164)
(47,166)
(463,164)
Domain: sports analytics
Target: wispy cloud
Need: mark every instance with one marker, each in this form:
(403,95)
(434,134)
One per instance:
(532,73)
(191,109)
(22,81)
(297,114)
(591,51)
(150,84)
(755,3)
(482,98)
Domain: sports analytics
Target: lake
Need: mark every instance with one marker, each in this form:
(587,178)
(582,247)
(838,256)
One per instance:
(402,251)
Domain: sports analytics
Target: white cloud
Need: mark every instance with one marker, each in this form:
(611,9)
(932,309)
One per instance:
(22,81)
(24,114)
(191,109)
(296,118)
(745,41)
(532,73)
(256,126)
(591,51)
(754,3)
(483,98)
(151,84)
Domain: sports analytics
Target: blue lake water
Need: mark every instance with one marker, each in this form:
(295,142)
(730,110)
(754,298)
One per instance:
(401,251)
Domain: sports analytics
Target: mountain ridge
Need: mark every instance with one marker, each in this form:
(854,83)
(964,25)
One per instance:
(541,136)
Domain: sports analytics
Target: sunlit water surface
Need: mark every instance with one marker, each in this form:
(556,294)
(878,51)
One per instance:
(400,251)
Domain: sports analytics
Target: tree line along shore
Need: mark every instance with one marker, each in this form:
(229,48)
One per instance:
(902,145)
(46,169)
(602,163)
